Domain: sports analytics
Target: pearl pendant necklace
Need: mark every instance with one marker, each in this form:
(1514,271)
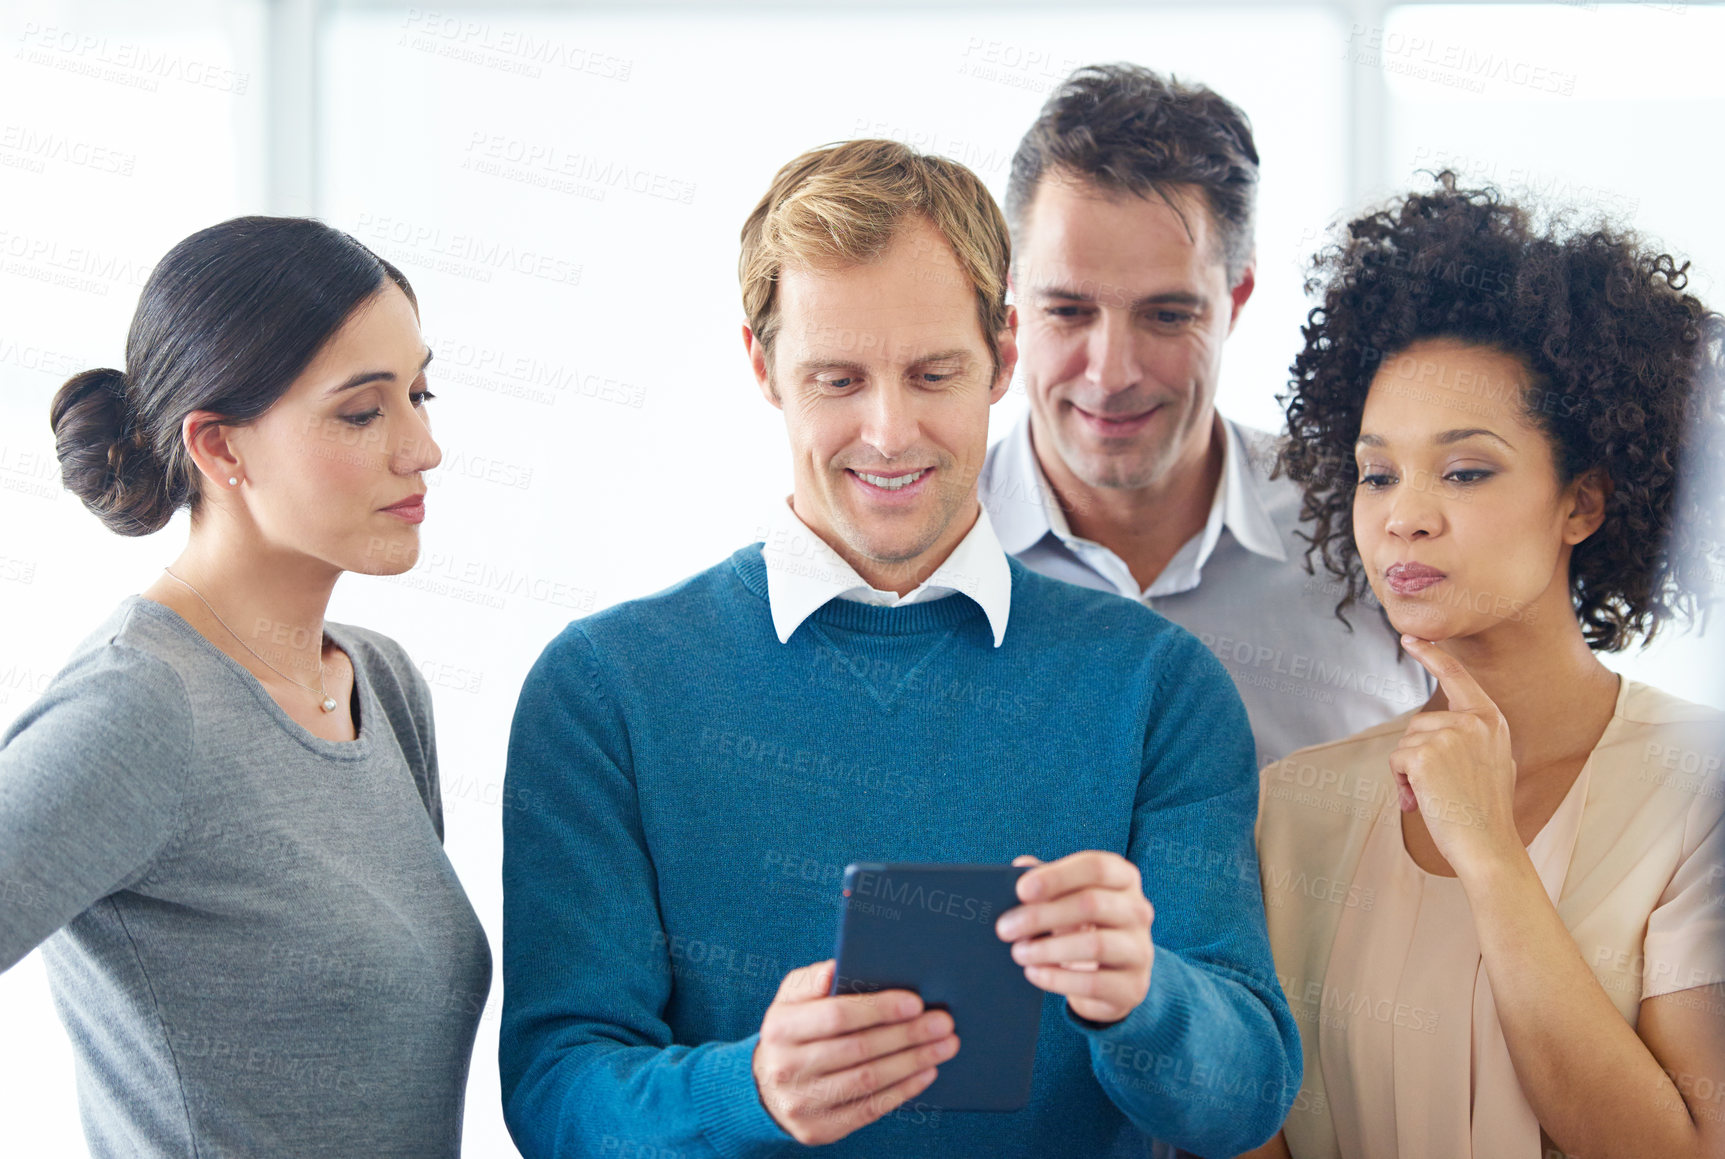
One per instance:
(327,703)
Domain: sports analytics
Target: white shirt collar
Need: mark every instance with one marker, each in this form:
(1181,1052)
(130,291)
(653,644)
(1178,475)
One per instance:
(804,573)
(1238,504)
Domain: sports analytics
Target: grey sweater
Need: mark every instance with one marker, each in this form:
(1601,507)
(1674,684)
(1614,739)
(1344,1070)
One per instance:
(252,934)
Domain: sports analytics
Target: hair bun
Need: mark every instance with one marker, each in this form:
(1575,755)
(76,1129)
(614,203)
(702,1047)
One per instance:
(105,460)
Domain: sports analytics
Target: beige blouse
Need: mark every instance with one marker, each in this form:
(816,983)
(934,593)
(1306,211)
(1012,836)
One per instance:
(1404,1055)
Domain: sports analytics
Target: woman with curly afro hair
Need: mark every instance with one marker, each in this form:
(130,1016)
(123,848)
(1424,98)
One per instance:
(1500,918)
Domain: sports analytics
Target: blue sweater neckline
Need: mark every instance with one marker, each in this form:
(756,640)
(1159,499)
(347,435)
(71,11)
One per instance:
(922,618)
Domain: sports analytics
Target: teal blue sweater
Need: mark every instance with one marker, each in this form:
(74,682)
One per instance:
(686,791)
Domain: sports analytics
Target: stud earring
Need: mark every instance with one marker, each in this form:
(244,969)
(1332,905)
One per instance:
(233,482)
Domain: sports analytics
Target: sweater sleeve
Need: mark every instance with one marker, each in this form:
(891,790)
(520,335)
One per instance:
(423,756)
(587,1060)
(1210,1060)
(407,706)
(92,777)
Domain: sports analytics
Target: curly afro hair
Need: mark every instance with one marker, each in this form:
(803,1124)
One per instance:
(1626,370)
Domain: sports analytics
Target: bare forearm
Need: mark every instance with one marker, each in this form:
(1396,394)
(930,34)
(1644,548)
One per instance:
(1592,1083)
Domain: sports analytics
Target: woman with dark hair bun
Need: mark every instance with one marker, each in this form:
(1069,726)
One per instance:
(1500,918)
(222,819)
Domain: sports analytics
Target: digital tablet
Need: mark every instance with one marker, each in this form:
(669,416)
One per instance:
(929,928)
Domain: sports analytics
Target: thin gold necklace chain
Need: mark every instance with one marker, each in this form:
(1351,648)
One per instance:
(324,700)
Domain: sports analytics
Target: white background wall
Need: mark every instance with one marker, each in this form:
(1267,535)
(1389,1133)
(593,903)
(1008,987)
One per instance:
(601,433)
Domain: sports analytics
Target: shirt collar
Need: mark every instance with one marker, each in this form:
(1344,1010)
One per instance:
(804,573)
(1241,501)
(1025,507)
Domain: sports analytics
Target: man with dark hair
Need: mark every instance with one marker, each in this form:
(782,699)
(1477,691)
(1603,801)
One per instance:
(1131,205)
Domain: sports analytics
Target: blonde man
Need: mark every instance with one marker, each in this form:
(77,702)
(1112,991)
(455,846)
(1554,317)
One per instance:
(877,680)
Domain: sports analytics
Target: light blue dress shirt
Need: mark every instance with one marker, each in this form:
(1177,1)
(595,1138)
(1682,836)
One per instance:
(1239,585)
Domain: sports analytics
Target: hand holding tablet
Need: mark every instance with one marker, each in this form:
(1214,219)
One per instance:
(1097,950)
(826,1066)
(932,957)
(929,929)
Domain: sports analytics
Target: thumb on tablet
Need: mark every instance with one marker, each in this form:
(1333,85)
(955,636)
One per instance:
(806,983)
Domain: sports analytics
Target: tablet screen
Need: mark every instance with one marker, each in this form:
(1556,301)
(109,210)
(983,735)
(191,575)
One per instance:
(929,928)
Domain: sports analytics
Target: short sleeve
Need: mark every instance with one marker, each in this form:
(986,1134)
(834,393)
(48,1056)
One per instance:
(92,779)
(1685,943)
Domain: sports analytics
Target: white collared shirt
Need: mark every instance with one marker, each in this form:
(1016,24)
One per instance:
(804,573)
(1239,585)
